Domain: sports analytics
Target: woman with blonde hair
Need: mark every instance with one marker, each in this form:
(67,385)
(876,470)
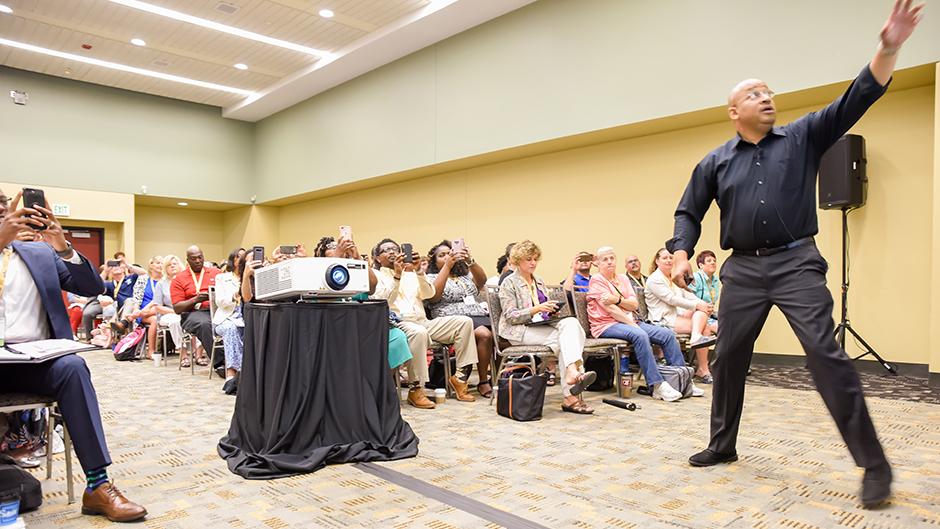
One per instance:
(679,310)
(162,304)
(524,301)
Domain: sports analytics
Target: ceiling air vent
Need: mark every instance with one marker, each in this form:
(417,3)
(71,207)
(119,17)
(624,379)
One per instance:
(161,63)
(226,7)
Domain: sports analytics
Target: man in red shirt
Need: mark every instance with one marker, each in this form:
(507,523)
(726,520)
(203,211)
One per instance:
(189,293)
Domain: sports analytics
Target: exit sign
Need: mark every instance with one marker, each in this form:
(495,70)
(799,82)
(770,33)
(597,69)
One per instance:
(61,210)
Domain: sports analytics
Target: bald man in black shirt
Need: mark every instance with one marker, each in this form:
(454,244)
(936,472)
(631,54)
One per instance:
(764,182)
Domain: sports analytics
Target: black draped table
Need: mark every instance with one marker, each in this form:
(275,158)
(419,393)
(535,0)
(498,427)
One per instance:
(315,390)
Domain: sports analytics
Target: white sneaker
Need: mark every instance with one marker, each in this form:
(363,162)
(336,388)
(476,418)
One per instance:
(697,391)
(666,392)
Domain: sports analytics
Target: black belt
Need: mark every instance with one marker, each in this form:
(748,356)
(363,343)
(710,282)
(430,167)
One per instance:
(763,252)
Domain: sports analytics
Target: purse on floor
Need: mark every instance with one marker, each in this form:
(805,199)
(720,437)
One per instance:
(520,393)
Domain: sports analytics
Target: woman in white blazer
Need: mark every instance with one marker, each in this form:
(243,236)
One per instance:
(227,321)
(680,310)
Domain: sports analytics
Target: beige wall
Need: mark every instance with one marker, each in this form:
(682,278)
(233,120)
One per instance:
(623,193)
(251,225)
(556,68)
(98,209)
(162,231)
(934,292)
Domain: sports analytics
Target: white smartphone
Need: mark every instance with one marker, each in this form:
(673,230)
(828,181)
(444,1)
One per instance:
(345,232)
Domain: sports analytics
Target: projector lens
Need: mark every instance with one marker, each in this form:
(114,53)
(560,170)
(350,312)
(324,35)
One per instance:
(337,277)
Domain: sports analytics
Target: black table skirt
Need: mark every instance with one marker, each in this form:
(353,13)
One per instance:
(315,390)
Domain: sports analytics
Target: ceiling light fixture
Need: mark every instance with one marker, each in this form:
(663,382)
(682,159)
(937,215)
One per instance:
(326,13)
(183,17)
(5,9)
(138,42)
(183,204)
(125,68)
(241,66)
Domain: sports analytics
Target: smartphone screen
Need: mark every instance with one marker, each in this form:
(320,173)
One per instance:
(33,197)
(257,253)
(288,250)
(407,250)
(345,232)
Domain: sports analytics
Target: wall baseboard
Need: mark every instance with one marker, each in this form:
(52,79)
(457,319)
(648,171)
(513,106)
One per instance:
(863,366)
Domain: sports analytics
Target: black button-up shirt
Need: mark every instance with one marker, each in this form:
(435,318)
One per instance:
(767,192)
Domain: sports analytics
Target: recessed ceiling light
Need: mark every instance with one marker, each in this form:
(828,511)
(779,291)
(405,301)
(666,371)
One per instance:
(138,42)
(326,13)
(184,204)
(5,9)
(183,17)
(125,68)
(241,66)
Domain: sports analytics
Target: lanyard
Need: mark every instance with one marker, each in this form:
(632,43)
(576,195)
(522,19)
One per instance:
(197,283)
(3,268)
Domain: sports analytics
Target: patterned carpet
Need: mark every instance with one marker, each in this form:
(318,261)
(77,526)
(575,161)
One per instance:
(616,469)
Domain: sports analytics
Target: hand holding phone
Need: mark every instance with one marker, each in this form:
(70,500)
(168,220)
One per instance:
(114,262)
(407,253)
(257,253)
(288,250)
(33,197)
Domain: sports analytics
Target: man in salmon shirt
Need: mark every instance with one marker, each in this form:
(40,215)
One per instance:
(189,293)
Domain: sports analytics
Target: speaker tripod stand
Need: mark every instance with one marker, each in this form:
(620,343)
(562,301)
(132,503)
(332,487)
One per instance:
(845,325)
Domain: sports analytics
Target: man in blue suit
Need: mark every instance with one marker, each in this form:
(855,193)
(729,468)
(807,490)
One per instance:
(32,277)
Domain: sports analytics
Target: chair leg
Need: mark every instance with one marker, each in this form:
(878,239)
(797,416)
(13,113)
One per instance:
(498,364)
(447,374)
(50,431)
(212,362)
(70,486)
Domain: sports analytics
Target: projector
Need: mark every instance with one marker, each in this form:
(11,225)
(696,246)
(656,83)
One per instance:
(317,277)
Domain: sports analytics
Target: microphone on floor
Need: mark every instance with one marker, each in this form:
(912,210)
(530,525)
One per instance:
(629,406)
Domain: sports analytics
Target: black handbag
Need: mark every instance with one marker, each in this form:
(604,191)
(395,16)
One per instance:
(521,393)
(16,481)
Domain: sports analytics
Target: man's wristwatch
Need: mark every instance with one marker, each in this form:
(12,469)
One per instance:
(66,253)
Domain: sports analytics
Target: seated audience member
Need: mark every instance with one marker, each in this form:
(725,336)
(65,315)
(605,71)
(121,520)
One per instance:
(580,274)
(706,286)
(74,305)
(398,351)
(679,310)
(189,292)
(163,304)
(523,296)
(638,282)
(611,304)
(141,308)
(457,280)
(405,287)
(510,267)
(131,268)
(502,264)
(118,288)
(35,274)
(228,322)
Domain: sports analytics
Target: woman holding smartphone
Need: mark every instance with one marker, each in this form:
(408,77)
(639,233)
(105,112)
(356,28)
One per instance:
(457,280)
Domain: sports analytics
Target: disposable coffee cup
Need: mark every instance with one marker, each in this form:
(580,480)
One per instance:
(157,358)
(440,395)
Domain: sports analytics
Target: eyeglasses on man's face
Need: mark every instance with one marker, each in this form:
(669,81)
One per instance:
(759,93)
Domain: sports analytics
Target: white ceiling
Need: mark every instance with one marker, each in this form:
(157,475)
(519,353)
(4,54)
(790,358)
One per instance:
(361,36)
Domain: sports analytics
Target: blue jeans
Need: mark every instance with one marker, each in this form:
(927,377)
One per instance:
(641,337)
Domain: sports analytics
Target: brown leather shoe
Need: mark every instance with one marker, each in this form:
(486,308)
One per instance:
(418,399)
(460,388)
(108,501)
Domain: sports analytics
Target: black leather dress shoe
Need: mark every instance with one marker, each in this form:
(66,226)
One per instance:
(707,458)
(876,486)
(231,386)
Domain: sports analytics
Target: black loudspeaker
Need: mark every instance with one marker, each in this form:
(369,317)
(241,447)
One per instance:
(843,179)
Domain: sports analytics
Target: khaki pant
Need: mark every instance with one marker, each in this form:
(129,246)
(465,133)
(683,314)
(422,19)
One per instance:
(456,330)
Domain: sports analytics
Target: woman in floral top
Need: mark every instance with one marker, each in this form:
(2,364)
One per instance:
(457,280)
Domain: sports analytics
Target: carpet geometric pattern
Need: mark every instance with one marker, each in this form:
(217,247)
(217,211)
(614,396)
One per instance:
(616,469)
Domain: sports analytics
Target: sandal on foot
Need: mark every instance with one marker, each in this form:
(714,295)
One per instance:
(485,394)
(185,363)
(202,361)
(582,382)
(579,407)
